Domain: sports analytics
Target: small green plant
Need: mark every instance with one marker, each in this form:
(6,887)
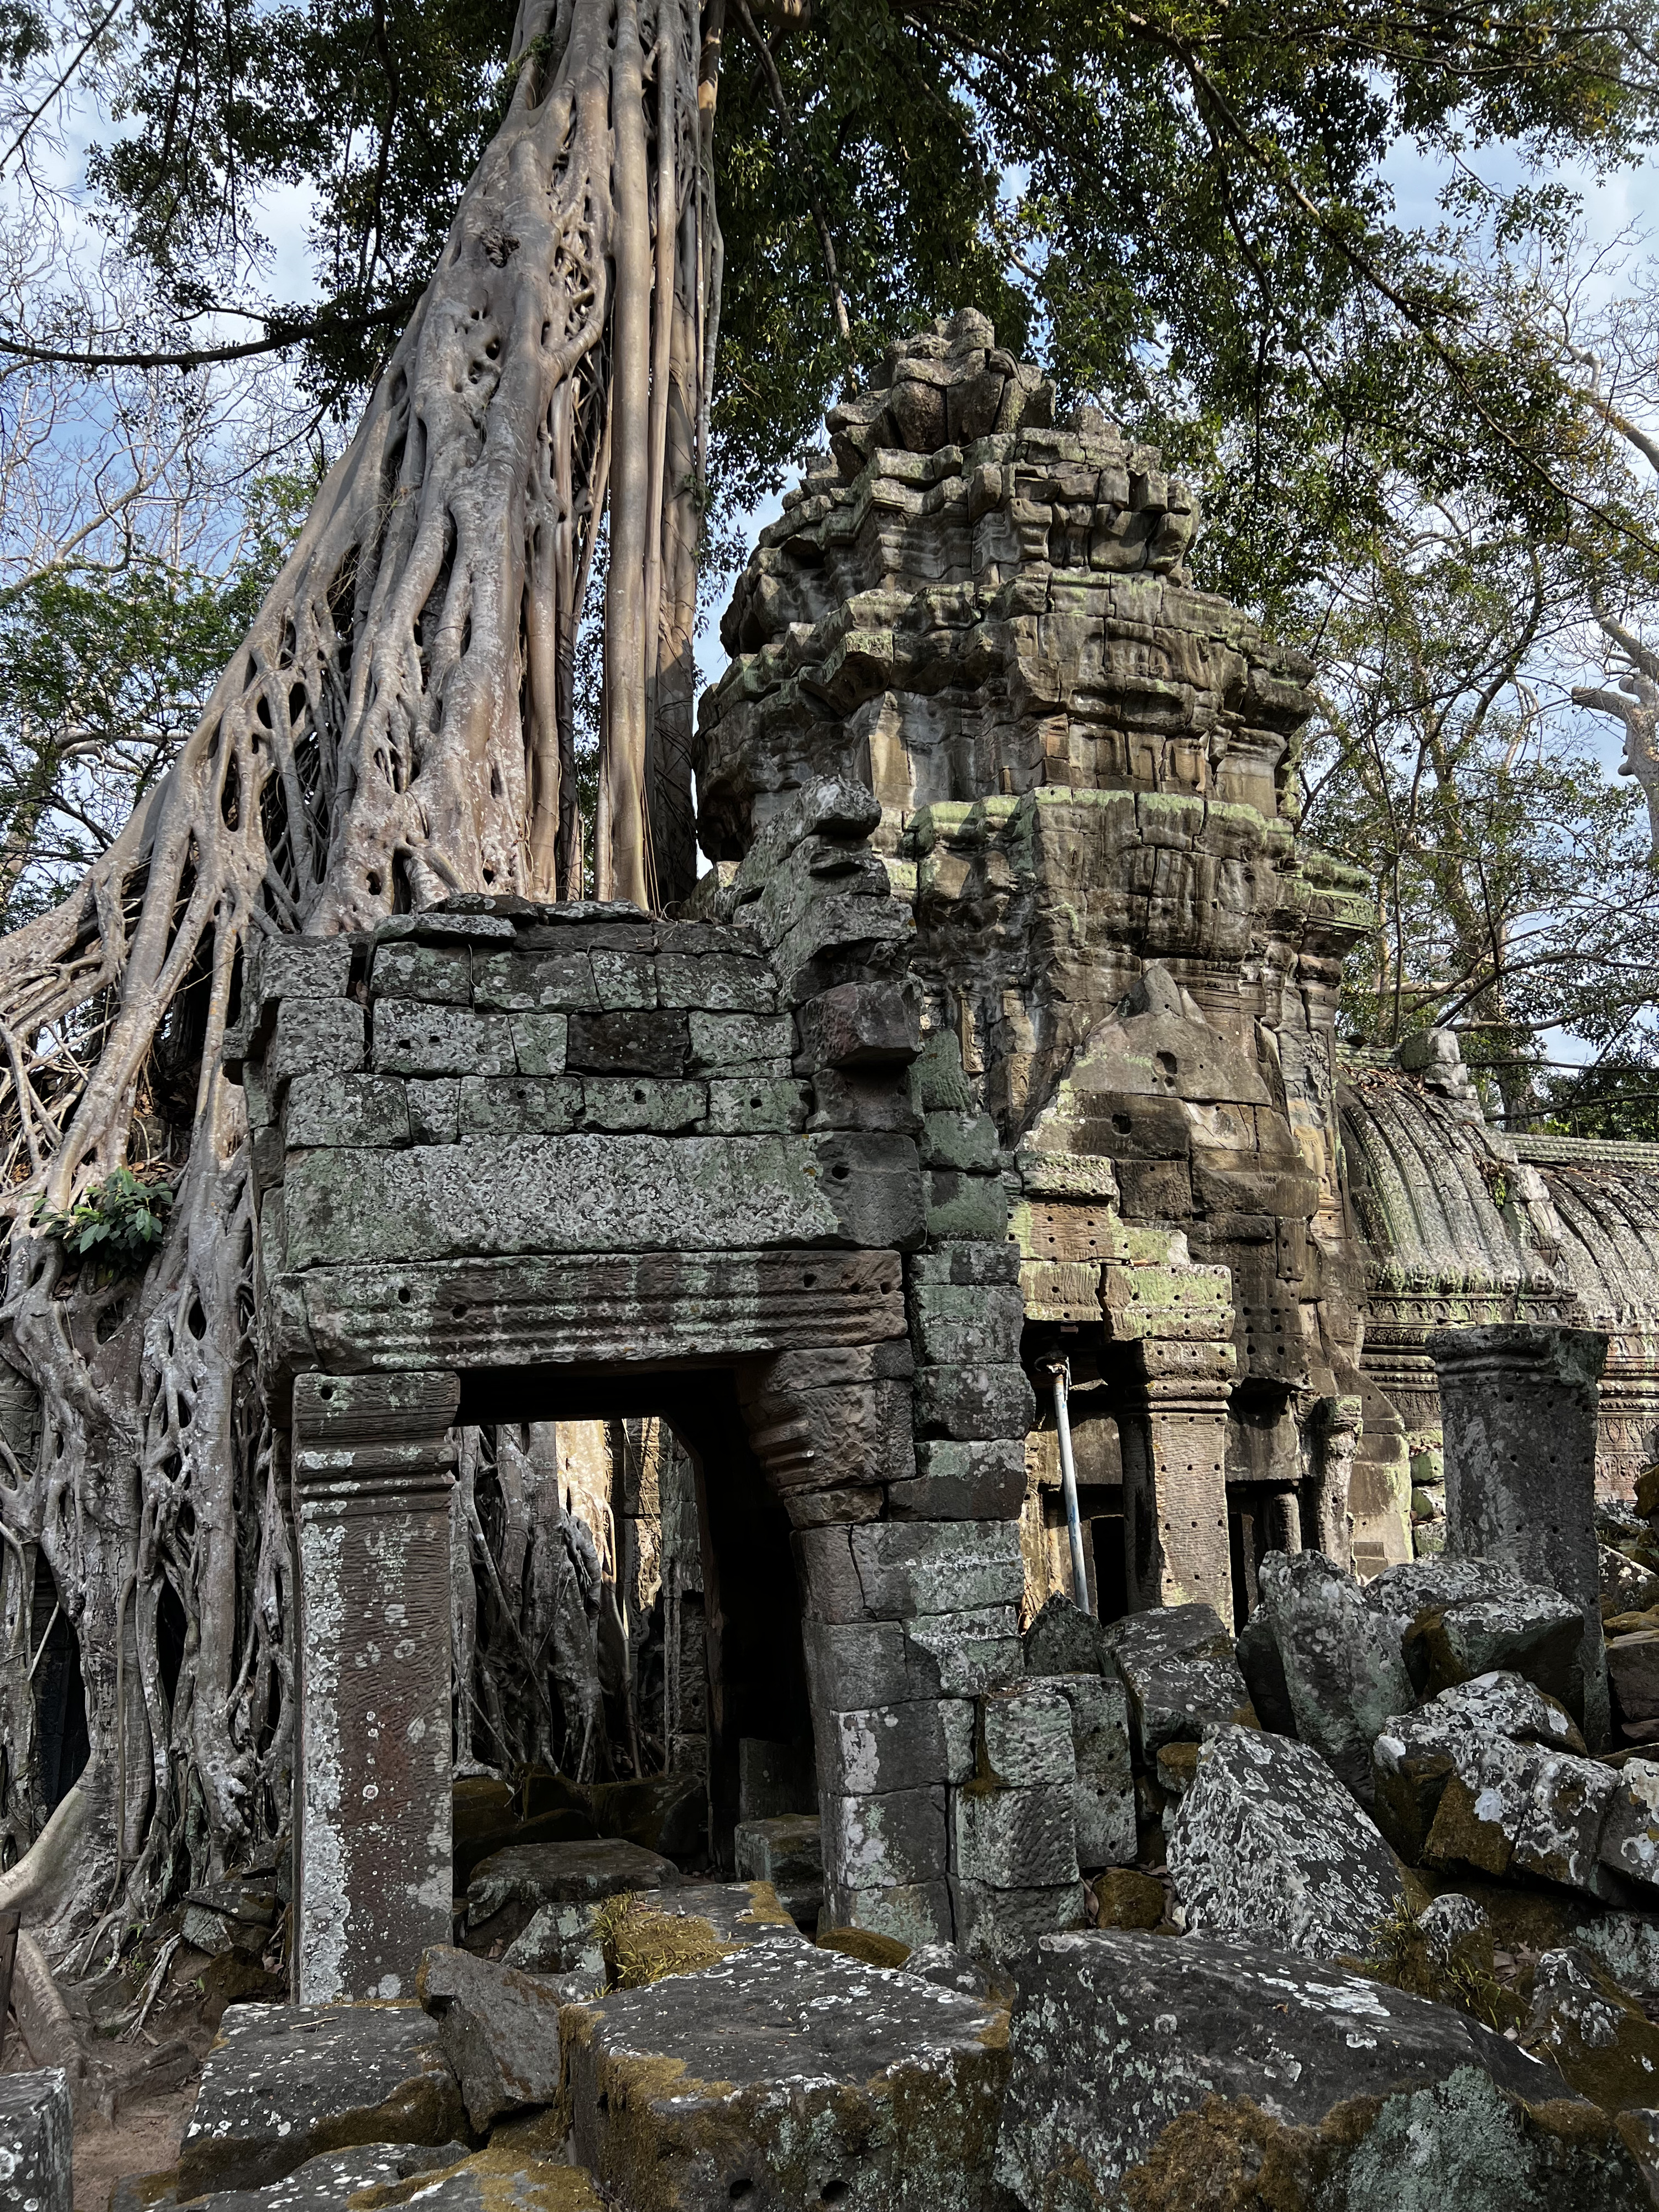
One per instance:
(116,1224)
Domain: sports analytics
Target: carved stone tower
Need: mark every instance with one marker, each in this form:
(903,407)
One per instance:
(1124,952)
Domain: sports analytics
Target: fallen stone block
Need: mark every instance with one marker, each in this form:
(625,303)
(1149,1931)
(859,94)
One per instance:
(1148,2072)
(951,1969)
(1103,1795)
(682,1930)
(1633,1671)
(1460,1619)
(1416,1753)
(559,1939)
(499,2027)
(1519,1809)
(283,2083)
(534,1875)
(1257,1653)
(1063,1639)
(788,2076)
(37,2138)
(1630,1833)
(324,2184)
(998,1923)
(1267,1847)
(1024,1737)
(786,1851)
(1598,2038)
(500,2178)
(1627,1586)
(1340,1660)
(1176,1663)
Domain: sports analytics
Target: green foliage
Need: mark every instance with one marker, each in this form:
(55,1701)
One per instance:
(116,1224)
(1399,1954)
(104,671)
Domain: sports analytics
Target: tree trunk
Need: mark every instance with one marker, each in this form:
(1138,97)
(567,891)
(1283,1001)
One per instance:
(397,726)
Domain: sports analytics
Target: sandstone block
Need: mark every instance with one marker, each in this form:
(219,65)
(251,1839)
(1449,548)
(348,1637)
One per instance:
(874,1842)
(413,1039)
(1524,1809)
(1025,1736)
(433,1110)
(1341,1660)
(641,1102)
(284,2082)
(679,2093)
(719,1042)
(881,1747)
(859,1025)
(953,1326)
(913,1913)
(1176,1662)
(965,1265)
(1134,2055)
(539,1042)
(516,1105)
(442,973)
(998,1924)
(299,967)
(874,1184)
(909,1568)
(719,982)
(956,1655)
(345,1109)
(1459,1618)
(855,1662)
(314,1036)
(959,1479)
(1124,1899)
(974,1404)
(1104,1789)
(37,2138)
(1416,1753)
(972,1207)
(967,1142)
(786,1851)
(1598,2038)
(738,1104)
(325,2183)
(629,1041)
(1633,1669)
(1063,1639)
(560,1940)
(500,2028)
(562,1873)
(517,982)
(1023,1839)
(1267,1847)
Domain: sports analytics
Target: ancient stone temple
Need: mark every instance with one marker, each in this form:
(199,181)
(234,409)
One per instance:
(998,1043)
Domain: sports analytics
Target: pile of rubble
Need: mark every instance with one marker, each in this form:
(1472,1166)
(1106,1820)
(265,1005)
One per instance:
(1364,1915)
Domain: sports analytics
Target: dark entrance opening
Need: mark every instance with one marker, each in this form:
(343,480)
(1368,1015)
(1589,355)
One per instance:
(759,1722)
(60,1697)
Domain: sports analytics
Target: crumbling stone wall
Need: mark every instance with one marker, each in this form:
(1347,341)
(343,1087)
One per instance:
(1125,953)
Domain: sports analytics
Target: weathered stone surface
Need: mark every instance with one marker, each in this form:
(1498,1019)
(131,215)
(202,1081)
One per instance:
(910,1568)
(1177,1665)
(1633,1670)
(562,1873)
(1015,1838)
(1518,1807)
(1063,1639)
(880,1747)
(896,1837)
(1416,1753)
(786,1851)
(500,2028)
(327,2182)
(1518,1405)
(1267,1847)
(951,1969)
(1458,1618)
(1340,1662)
(788,2077)
(955,1654)
(1145,2072)
(412,1039)
(1630,1833)
(1627,1586)
(560,1940)
(37,2138)
(997,1925)
(577,1193)
(1104,1794)
(1599,2038)
(283,2083)
(912,1913)
(1025,1736)
(345,1109)
(962,1480)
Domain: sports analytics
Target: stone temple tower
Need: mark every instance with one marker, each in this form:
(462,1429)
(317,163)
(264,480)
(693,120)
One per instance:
(1122,951)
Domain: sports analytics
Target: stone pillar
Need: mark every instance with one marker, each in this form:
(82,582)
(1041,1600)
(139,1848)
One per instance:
(1337,1425)
(372,1476)
(1174,1432)
(1519,1409)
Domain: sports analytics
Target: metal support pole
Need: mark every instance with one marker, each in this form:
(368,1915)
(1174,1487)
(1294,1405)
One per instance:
(1062,1375)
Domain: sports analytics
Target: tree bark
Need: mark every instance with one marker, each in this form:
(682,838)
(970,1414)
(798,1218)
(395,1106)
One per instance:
(397,726)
